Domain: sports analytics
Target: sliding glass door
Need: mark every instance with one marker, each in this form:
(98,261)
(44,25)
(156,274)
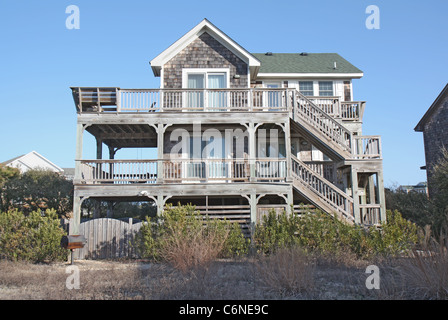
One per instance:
(199,98)
(195,98)
(217,100)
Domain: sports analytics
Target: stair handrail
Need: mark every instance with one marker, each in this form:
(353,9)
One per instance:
(344,142)
(348,212)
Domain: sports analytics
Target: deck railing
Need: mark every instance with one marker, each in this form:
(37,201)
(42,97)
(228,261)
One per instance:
(317,119)
(366,147)
(370,214)
(181,171)
(91,99)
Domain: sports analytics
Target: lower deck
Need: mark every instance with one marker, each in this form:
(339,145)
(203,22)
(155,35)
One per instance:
(244,203)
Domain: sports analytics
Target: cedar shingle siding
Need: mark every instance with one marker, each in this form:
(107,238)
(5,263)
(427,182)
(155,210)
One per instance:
(435,137)
(205,52)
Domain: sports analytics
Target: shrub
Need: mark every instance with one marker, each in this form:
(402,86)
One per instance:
(36,190)
(396,236)
(236,243)
(325,234)
(187,240)
(35,237)
(276,231)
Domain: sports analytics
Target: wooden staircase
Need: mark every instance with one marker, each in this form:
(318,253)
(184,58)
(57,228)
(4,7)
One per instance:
(330,136)
(324,131)
(321,192)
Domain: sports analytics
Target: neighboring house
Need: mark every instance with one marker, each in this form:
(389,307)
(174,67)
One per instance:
(69,173)
(235,133)
(32,160)
(421,187)
(434,125)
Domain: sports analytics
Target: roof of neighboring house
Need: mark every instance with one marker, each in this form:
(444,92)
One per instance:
(32,160)
(305,63)
(69,171)
(432,109)
(11,160)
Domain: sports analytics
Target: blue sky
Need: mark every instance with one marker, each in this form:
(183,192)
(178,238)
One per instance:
(404,62)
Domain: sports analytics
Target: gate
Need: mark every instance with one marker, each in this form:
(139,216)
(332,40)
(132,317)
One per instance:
(108,239)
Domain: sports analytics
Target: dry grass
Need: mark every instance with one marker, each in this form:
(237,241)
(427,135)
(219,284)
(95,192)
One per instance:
(288,274)
(426,271)
(289,271)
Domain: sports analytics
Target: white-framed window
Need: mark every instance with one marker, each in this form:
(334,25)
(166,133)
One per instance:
(201,79)
(306,88)
(326,88)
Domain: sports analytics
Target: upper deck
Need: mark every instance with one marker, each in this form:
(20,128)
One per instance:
(117,100)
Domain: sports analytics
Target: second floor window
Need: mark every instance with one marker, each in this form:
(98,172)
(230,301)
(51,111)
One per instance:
(306,88)
(326,88)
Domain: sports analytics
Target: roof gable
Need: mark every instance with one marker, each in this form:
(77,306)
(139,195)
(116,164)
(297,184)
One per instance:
(204,26)
(432,109)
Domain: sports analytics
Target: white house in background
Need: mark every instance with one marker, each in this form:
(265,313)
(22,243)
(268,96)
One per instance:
(32,160)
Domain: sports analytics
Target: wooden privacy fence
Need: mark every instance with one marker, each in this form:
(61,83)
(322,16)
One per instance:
(108,239)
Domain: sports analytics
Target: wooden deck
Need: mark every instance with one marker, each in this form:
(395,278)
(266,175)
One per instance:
(123,118)
(100,99)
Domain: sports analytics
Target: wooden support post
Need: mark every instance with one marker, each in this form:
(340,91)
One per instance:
(99,148)
(78,153)
(356,208)
(381,195)
(290,202)
(253,211)
(287,131)
(75,220)
(373,194)
(160,201)
(160,150)
(252,150)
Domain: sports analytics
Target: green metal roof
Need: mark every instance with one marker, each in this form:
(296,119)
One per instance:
(304,63)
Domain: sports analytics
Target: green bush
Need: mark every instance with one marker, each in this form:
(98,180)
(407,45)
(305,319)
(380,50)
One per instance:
(319,232)
(276,231)
(396,236)
(35,237)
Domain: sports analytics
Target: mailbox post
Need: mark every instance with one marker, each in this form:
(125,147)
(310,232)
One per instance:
(72,242)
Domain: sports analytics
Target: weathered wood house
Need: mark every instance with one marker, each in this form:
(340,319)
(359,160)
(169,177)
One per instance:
(235,133)
(434,126)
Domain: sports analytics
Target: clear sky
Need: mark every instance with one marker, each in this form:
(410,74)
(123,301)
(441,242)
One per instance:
(404,62)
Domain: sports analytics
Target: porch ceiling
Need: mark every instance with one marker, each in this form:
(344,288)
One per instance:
(124,135)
